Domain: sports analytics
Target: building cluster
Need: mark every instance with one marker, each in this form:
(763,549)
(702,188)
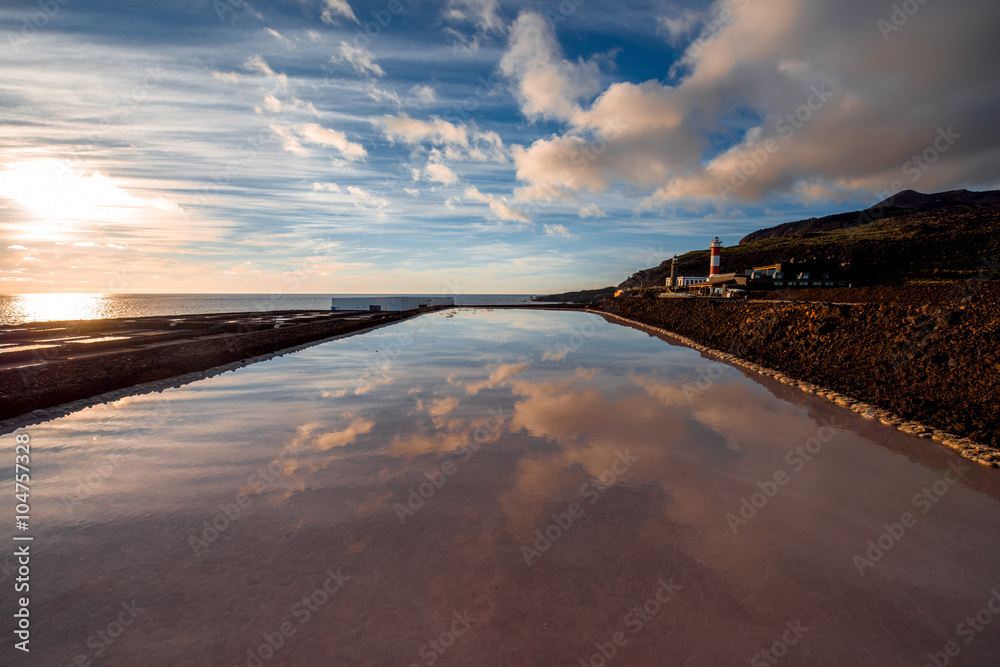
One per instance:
(791,274)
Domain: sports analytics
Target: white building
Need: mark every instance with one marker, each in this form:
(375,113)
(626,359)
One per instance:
(687,281)
(395,303)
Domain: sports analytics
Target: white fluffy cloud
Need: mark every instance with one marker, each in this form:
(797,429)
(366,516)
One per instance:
(839,105)
(439,173)
(413,131)
(546,85)
(322,136)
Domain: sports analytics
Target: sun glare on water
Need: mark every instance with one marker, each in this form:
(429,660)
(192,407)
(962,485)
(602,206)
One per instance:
(53,307)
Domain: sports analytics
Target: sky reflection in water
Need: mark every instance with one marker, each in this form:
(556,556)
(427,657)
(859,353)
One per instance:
(501,418)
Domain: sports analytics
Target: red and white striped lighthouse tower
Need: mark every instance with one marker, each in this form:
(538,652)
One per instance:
(716,247)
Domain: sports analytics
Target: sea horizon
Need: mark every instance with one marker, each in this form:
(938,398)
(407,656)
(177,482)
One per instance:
(24,308)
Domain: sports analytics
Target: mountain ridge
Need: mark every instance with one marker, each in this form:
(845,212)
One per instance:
(949,235)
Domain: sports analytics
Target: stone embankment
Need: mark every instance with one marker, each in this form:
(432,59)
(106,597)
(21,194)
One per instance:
(928,370)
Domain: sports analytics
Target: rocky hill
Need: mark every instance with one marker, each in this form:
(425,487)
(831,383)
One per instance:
(912,236)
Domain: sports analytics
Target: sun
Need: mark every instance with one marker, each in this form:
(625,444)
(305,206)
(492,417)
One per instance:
(55,192)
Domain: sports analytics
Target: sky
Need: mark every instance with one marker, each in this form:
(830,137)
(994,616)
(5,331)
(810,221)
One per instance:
(463,146)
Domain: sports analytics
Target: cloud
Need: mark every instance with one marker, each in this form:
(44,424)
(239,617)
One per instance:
(382,95)
(278,36)
(498,205)
(439,173)
(680,25)
(337,8)
(559,230)
(317,134)
(412,131)
(364,199)
(289,141)
(791,98)
(360,59)
(326,187)
(258,65)
(443,406)
(424,94)
(484,14)
(272,104)
(546,85)
(228,77)
(459,142)
(16,247)
(498,376)
(591,211)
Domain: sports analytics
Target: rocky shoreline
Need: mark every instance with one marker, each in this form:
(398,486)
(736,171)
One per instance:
(930,371)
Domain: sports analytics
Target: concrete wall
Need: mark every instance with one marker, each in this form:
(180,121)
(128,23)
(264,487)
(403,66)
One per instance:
(389,303)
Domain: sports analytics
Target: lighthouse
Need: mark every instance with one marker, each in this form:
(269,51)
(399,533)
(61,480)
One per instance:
(673,272)
(716,246)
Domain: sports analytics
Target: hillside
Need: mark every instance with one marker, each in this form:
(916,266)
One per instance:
(947,236)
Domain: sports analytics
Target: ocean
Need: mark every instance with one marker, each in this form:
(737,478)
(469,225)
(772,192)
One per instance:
(21,308)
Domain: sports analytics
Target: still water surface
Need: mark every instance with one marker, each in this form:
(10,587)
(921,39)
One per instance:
(499,488)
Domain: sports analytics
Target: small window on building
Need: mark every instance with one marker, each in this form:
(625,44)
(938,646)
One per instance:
(779,284)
